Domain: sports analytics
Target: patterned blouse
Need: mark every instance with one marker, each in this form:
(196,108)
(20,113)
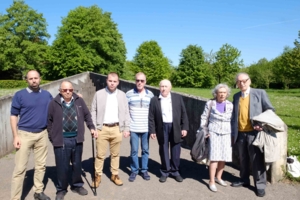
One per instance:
(217,122)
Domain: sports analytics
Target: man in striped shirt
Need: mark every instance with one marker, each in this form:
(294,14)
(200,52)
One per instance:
(138,100)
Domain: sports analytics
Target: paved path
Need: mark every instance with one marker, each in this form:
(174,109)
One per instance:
(194,186)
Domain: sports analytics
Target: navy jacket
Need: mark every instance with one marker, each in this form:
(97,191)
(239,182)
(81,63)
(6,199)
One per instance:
(55,115)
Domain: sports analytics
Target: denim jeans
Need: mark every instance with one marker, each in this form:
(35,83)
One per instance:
(134,142)
(71,151)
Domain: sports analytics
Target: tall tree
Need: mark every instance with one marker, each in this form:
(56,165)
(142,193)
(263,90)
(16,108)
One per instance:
(227,63)
(261,73)
(150,59)
(23,38)
(88,40)
(192,70)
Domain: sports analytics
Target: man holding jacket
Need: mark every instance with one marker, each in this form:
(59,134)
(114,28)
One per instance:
(67,113)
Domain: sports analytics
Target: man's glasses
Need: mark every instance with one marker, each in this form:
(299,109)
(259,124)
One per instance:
(65,90)
(242,81)
(139,80)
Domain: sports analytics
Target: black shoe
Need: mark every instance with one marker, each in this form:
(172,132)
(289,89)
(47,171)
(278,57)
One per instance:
(80,191)
(260,192)
(240,184)
(178,178)
(60,195)
(40,196)
(162,179)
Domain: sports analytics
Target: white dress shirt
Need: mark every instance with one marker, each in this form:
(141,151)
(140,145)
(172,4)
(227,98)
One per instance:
(166,108)
(111,114)
(246,93)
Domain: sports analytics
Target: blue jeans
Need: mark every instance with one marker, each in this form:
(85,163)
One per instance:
(134,142)
(70,152)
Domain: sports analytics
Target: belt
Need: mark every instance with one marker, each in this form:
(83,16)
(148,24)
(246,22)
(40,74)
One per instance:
(112,124)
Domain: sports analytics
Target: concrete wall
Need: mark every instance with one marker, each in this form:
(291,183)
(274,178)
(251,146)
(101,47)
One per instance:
(87,83)
(82,84)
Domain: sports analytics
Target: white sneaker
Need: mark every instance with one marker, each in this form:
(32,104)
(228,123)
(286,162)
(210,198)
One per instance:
(221,182)
(213,188)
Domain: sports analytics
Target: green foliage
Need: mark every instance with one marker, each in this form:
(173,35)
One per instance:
(23,38)
(128,72)
(227,63)
(16,83)
(149,59)
(192,71)
(88,40)
(261,73)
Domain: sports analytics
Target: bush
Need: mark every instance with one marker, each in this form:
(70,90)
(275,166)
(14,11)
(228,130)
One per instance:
(9,84)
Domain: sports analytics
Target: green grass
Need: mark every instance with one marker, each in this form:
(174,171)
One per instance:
(4,92)
(287,106)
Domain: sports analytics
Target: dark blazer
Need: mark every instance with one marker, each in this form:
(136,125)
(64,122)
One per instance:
(259,102)
(180,119)
(55,115)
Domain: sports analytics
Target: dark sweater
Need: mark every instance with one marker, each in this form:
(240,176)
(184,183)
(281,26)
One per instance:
(32,108)
(55,115)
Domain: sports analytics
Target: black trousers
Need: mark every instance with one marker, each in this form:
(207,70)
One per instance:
(250,154)
(70,152)
(169,166)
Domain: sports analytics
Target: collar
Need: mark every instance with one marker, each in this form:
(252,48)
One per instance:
(136,91)
(30,91)
(161,97)
(63,101)
(109,92)
(246,93)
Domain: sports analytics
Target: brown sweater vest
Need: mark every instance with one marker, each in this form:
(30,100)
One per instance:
(244,118)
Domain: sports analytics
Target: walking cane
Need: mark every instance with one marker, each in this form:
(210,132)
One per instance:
(94,172)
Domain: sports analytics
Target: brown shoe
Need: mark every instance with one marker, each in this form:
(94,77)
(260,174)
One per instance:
(116,179)
(97,181)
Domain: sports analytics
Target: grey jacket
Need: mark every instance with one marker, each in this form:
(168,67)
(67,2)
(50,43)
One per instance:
(266,140)
(99,105)
(259,102)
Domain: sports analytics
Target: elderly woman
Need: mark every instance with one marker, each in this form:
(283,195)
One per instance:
(215,121)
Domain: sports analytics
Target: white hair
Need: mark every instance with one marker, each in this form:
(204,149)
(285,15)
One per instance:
(216,89)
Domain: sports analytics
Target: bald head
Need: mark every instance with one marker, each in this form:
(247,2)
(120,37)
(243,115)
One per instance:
(66,90)
(165,87)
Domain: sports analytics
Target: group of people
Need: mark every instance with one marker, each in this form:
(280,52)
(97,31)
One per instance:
(138,114)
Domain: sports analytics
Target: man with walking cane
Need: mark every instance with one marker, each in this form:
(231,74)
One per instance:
(67,113)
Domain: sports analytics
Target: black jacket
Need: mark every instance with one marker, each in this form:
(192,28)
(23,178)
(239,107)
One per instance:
(55,115)
(180,119)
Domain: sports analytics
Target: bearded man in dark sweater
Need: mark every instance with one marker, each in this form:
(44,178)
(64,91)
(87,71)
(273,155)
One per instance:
(67,113)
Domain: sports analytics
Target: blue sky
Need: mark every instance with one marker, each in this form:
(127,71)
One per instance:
(258,28)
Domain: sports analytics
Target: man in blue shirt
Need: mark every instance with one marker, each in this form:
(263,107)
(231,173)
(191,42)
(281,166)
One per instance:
(29,132)
(138,103)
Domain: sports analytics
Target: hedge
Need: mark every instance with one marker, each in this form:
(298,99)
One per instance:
(9,84)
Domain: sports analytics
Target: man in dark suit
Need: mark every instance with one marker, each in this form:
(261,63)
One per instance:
(168,122)
(248,103)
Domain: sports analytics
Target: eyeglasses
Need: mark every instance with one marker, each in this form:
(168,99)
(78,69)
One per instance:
(65,90)
(139,80)
(242,81)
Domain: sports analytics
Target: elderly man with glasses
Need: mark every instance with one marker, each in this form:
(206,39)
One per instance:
(138,101)
(248,103)
(67,113)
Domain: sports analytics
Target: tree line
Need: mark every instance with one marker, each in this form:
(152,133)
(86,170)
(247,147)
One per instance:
(88,40)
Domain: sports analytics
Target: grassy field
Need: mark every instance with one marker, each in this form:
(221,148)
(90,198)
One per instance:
(287,106)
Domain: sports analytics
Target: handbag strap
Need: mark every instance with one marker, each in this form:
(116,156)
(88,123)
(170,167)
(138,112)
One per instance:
(209,111)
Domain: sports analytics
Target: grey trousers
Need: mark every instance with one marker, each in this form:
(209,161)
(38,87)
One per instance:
(250,154)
